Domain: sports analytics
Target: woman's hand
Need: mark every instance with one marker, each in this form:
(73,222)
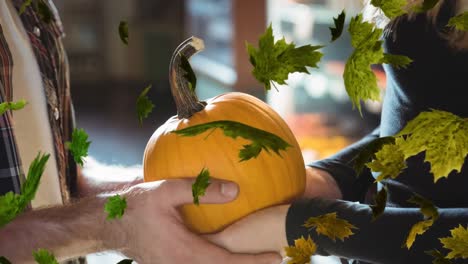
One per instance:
(262,231)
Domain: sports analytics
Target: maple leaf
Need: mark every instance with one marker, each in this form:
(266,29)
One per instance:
(301,252)
(460,22)
(446,145)
(261,140)
(428,209)
(12,204)
(123,31)
(79,145)
(457,243)
(42,256)
(380,202)
(12,106)
(199,186)
(439,258)
(330,226)
(339,25)
(360,81)
(391,8)
(274,61)
(115,207)
(425,6)
(417,229)
(398,61)
(389,161)
(144,105)
(368,152)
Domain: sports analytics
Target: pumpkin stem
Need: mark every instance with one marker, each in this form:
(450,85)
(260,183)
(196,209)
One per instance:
(185,98)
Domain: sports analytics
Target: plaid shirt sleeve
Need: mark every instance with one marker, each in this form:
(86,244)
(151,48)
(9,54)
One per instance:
(10,164)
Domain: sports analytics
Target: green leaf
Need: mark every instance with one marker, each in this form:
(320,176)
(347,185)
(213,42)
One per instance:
(330,226)
(457,243)
(368,152)
(439,258)
(460,22)
(389,161)
(79,145)
(274,61)
(417,229)
(125,261)
(428,209)
(144,105)
(115,207)
(189,74)
(10,207)
(380,202)
(36,169)
(425,6)
(43,256)
(11,204)
(4,260)
(301,252)
(339,25)
(199,186)
(25,5)
(261,140)
(123,31)
(12,106)
(360,81)
(398,61)
(391,8)
(44,11)
(446,145)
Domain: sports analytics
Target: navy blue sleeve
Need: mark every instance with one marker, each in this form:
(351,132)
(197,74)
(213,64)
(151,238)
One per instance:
(339,166)
(376,242)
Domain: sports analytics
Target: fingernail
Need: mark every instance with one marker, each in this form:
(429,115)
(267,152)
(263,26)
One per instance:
(229,189)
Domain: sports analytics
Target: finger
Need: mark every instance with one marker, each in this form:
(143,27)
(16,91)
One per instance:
(264,258)
(179,191)
(207,252)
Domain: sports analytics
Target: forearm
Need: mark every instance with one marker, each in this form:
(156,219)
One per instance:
(95,177)
(320,183)
(67,231)
(376,242)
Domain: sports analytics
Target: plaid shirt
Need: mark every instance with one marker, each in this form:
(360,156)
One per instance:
(49,51)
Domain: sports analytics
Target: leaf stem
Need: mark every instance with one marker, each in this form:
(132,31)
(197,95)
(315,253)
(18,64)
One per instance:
(185,99)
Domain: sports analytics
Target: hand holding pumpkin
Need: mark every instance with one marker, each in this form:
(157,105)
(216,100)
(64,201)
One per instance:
(155,232)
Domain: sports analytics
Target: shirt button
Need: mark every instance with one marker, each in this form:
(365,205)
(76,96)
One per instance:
(56,113)
(37,31)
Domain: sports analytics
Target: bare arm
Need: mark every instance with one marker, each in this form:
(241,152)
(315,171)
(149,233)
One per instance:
(67,231)
(150,231)
(319,183)
(95,177)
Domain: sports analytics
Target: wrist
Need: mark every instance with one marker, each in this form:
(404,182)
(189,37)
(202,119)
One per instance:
(320,183)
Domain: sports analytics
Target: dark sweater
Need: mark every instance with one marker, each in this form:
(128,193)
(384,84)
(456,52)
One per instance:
(437,79)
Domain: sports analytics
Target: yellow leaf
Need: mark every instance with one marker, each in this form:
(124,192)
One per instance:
(301,252)
(418,229)
(457,243)
(330,226)
(389,161)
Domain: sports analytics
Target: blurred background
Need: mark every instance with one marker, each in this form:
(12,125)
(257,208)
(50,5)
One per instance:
(107,76)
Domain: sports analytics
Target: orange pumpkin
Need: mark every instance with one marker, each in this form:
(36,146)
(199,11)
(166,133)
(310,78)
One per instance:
(266,180)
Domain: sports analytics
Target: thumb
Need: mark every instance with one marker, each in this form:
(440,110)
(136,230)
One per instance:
(264,258)
(179,191)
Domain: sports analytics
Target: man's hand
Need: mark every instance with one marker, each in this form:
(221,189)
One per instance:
(151,230)
(155,232)
(262,231)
